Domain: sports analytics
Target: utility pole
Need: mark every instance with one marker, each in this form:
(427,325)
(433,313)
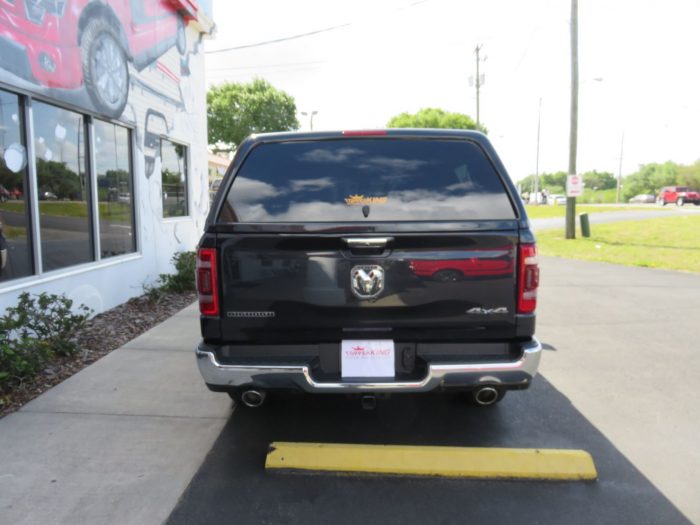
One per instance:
(537,161)
(619,170)
(477,84)
(573,131)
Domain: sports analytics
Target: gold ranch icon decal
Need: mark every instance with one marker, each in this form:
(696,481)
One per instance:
(361,200)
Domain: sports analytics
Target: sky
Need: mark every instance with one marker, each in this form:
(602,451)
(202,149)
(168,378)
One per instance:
(639,89)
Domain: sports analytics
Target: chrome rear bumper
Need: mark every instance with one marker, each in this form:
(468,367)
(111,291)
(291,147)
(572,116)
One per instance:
(512,374)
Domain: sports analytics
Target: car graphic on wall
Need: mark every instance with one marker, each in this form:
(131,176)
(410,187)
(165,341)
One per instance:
(68,44)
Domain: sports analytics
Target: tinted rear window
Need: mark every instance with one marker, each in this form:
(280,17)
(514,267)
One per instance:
(366,180)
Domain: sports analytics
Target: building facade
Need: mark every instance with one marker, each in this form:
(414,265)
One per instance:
(103,144)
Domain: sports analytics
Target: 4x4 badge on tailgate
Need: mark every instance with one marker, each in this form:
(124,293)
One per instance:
(488,311)
(367,281)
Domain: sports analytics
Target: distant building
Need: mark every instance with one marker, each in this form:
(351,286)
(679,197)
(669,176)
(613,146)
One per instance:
(217,167)
(103,144)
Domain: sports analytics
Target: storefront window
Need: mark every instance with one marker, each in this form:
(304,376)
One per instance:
(174,173)
(114,189)
(15,234)
(63,187)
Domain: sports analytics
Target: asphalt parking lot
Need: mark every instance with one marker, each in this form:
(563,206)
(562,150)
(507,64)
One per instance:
(616,354)
(137,438)
(233,486)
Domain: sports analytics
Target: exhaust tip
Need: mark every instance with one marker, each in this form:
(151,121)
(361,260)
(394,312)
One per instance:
(486,395)
(253,398)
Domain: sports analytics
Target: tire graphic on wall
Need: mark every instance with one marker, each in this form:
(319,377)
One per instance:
(181,37)
(105,68)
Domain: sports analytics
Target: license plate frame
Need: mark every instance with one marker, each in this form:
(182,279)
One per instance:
(368,358)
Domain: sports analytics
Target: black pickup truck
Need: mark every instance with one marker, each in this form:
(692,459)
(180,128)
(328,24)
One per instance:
(367,262)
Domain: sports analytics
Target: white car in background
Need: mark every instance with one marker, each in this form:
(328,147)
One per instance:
(556,200)
(646,198)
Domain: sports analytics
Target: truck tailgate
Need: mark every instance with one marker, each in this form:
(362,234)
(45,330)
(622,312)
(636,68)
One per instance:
(283,289)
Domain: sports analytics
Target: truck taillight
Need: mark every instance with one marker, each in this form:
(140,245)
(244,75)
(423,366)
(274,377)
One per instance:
(207,286)
(528,278)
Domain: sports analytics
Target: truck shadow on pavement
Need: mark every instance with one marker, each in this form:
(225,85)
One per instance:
(232,485)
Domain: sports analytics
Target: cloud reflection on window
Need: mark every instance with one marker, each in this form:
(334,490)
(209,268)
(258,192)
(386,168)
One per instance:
(399,179)
(400,206)
(311,184)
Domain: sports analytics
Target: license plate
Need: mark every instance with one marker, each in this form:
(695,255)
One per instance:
(371,358)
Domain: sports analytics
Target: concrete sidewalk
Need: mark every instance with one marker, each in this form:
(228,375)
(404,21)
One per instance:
(119,441)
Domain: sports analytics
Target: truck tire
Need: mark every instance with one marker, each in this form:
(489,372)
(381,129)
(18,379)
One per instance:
(105,67)
(680,201)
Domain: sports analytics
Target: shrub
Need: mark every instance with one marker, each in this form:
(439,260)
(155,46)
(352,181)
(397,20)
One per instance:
(47,317)
(21,359)
(35,330)
(183,278)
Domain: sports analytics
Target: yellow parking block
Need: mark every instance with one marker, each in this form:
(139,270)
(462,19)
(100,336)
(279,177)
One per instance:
(451,462)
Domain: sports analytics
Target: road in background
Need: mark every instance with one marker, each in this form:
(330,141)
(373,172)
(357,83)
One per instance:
(635,213)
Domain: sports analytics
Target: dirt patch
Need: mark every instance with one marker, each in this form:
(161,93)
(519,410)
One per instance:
(102,334)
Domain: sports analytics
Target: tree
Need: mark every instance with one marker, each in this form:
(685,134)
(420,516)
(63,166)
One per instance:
(59,179)
(235,110)
(552,182)
(434,118)
(652,177)
(690,175)
(601,180)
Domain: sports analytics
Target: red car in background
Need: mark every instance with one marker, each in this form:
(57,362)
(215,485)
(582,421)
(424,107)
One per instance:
(678,194)
(70,43)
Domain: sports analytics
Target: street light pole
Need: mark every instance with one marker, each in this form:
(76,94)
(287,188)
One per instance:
(478,85)
(537,160)
(573,131)
(311,118)
(619,170)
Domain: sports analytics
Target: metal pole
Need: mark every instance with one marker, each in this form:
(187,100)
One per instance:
(573,131)
(537,161)
(310,114)
(619,170)
(478,85)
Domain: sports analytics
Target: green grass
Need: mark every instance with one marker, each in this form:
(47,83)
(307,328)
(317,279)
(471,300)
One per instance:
(672,243)
(17,206)
(14,232)
(55,208)
(591,196)
(64,208)
(546,212)
(114,211)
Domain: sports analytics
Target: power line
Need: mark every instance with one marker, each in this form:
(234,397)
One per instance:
(223,76)
(278,40)
(266,66)
(301,35)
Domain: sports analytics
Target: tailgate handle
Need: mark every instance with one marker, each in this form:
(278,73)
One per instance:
(367,242)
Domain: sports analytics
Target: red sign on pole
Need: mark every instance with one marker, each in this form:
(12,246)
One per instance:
(574,186)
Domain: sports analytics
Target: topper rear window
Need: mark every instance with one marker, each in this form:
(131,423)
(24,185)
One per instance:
(366,180)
